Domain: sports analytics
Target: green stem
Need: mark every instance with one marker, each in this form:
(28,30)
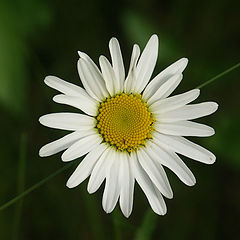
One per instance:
(121,224)
(29,190)
(218,76)
(20,185)
(148,226)
(117,227)
(97,225)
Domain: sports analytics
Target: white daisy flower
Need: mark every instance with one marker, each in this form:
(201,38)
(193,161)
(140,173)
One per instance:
(129,127)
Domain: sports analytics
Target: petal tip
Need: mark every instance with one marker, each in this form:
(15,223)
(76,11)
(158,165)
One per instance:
(211,131)
(42,152)
(58,98)
(198,91)
(213,107)
(82,55)
(55,98)
(90,190)
(170,195)
(183,62)
(102,58)
(154,37)
(113,39)
(48,79)
(65,158)
(164,212)
(216,106)
(161,211)
(40,119)
(107,209)
(191,182)
(212,159)
(69,184)
(137,49)
(79,53)
(127,214)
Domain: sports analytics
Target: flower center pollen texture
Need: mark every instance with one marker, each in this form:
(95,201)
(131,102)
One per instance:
(125,122)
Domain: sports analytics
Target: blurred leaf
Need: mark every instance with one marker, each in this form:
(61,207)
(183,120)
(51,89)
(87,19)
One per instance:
(147,227)
(15,24)
(12,70)
(225,143)
(137,27)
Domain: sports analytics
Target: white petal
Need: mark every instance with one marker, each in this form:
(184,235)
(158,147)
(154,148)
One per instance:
(117,63)
(99,171)
(176,68)
(174,102)
(184,128)
(112,188)
(85,167)
(92,80)
(62,143)
(188,112)
(95,70)
(154,197)
(156,173)
(126,182)
(130,83)
(108,75)
(146,63)
(68,121)
(184,147)
(171,160)
(84,103)
(166,89)
(161,205)
(82,146)
(90,61)
(64,87)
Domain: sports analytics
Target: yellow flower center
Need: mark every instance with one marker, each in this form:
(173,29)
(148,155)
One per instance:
(125,122)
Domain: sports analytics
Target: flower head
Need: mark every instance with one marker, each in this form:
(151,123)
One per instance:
(129,127)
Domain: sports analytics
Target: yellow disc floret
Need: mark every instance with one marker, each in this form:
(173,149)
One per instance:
(125,122)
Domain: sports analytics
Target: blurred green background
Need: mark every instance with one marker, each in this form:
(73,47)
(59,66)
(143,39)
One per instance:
(39,38)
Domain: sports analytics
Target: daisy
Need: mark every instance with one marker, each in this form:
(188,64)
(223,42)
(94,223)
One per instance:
(128,127)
